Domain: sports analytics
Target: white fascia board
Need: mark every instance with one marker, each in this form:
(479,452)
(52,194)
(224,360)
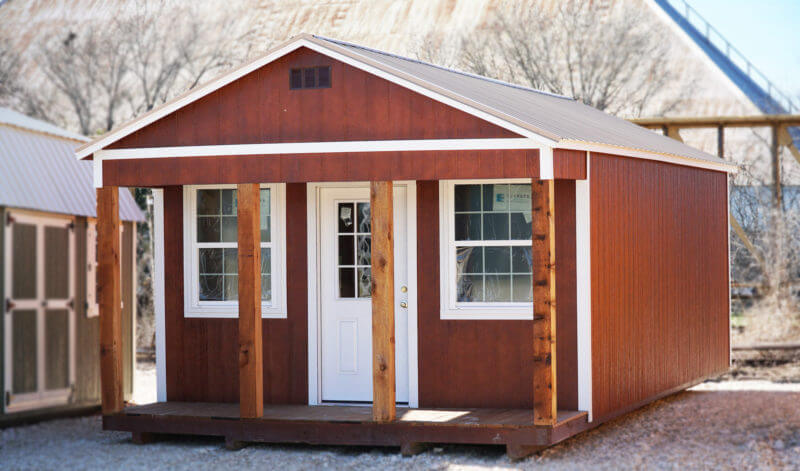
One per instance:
(647,155)
(330,147)
(223,80)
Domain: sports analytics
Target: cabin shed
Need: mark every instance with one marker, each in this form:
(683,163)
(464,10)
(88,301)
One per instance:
(358,248)
(49,335)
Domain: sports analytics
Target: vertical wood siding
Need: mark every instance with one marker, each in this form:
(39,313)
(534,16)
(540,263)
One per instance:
(202,354)
(260,108)
(659,279)
(485,363)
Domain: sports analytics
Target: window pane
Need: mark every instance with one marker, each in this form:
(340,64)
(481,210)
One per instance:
(265,216)
(364,283)
(347,288)
(495,226)
(230,260)
(522,289)
(308,79)
(346,250)
(521,259)
(323,76)
(208,203)
(468,227)
(229,202)
(498,288)
(469,260)
(210,261)
(296,78)
(467,197)
(229,229)
(210,287)
(266,261)
(208,229)
(364,250)
(520,226)
(231,287)
(364,222)
(469,288)
(266,288)
(346,217)
(497,259)
(495,197)
(520,198)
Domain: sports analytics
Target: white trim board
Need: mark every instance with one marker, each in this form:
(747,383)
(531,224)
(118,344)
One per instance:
(583,294)
(331,147)
(158,295)
(313,234)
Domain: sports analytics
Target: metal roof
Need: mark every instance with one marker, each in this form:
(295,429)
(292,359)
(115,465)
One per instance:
(553,116)
(38,171)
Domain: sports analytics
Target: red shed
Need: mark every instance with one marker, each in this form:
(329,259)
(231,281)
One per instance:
(364,249)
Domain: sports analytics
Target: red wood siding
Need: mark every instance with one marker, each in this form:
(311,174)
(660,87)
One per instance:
(323,167)
(260,108)
(659,251)
(566,298)
(202,354)
(569,164)
(484,363)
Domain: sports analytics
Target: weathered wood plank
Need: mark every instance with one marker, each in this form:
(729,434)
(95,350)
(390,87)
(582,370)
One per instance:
(251,355)
(109,299)
(544,302)
(383,371)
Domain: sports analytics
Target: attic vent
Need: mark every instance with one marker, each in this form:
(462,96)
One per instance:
(310,77)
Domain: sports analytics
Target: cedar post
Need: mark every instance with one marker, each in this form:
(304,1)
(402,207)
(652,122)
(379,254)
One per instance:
(544,302)
(251,362)
(109,299)
(383,374)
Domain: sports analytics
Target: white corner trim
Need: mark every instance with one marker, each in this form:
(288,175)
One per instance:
(313,308)
(546,171)
(583,269)
(318,148)
(97,171)
(158,295)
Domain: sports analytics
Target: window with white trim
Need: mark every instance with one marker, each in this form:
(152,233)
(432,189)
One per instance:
(485,230)
(211,253)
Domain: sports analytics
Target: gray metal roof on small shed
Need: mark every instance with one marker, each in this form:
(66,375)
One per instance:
(38,170)
(553,116)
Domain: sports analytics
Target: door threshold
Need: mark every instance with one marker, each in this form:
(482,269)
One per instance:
(355,403)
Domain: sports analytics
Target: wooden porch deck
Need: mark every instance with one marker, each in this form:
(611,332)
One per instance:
(349,425)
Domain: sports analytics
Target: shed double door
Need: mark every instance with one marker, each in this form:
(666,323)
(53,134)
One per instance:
(39,312)
(345,301)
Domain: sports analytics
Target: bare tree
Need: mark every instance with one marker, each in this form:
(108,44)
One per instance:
(610,57)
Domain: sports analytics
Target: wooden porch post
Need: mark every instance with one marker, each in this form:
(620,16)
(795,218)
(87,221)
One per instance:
(383,374)
(109,299)
(544,302)
(251,362)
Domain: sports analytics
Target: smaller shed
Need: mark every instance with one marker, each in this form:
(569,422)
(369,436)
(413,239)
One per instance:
(49,336)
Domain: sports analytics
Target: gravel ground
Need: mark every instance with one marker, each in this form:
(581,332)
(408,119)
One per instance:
(717,425)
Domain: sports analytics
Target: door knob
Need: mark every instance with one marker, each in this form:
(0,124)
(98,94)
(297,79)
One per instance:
(403,304)
(403,289)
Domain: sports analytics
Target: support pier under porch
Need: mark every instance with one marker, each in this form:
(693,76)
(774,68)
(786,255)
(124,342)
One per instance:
(412,430)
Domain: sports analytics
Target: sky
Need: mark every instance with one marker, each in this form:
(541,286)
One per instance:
(767,32)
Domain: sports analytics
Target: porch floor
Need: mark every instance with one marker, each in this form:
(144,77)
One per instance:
(348,425)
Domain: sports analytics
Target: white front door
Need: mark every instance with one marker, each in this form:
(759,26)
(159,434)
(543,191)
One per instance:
(345,304)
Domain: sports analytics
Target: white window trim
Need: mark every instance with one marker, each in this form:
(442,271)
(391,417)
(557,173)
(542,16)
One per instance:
(450,309)
(193,307)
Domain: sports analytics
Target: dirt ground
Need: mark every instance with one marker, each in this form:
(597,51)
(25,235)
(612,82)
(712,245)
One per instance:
(716,425)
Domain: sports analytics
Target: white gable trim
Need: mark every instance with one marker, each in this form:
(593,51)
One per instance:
(292,45)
